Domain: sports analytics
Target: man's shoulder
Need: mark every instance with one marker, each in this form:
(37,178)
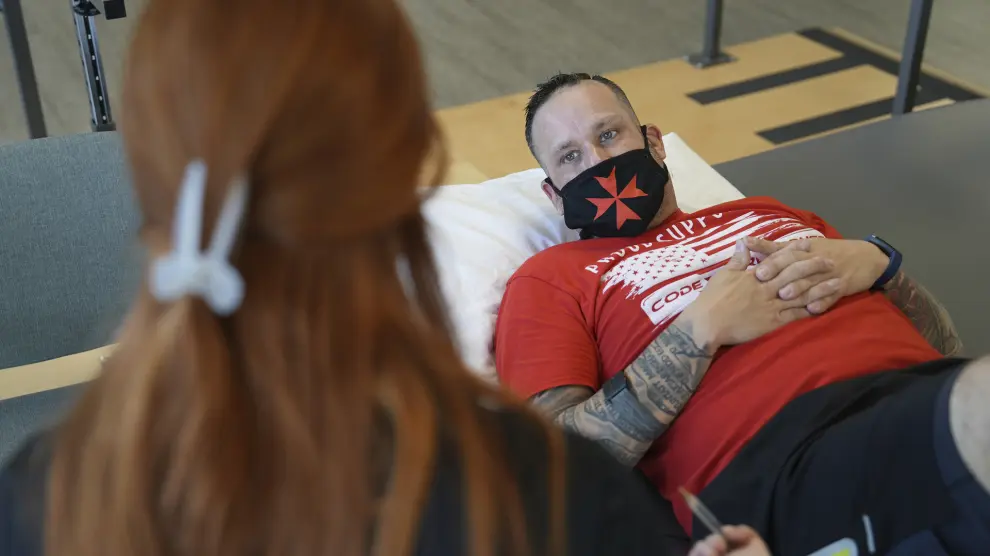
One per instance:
(563,258)
(750,208)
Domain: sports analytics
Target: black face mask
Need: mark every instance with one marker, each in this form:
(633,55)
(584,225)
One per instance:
(616,198)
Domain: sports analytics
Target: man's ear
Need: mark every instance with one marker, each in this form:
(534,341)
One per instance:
(551,194)
(655,137)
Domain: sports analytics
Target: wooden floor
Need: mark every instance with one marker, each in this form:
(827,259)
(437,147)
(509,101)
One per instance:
(486,138)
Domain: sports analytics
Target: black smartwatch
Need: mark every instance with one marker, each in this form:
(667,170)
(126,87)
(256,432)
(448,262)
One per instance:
(892,267)
(616,385)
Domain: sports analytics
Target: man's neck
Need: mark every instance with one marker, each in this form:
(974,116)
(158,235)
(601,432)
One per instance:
(667,209)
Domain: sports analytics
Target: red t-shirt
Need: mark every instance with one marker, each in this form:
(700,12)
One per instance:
(578,313)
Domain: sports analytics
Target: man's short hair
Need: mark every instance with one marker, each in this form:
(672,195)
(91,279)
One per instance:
(545,90)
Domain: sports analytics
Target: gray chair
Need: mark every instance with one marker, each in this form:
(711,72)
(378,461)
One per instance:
(69,260)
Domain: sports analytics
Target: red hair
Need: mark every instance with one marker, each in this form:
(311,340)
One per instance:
(309,421)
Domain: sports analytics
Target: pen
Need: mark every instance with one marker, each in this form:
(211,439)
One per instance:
(704,515)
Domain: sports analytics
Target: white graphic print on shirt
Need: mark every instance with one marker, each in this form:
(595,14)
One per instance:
(684,257)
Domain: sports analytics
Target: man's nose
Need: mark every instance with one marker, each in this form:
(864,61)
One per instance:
(597,154)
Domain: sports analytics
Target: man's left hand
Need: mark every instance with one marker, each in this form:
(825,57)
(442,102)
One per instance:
(857,266)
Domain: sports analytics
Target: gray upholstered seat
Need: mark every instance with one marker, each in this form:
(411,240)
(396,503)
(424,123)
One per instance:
(68,259)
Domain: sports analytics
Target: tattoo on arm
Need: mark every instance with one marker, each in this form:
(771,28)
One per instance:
(661,381)
(928,315)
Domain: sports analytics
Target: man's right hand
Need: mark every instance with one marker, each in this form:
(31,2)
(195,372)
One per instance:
(735,307)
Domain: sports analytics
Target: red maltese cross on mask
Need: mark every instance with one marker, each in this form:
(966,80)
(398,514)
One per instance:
(622,212)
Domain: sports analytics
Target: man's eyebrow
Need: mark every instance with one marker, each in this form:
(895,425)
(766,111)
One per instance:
(562,146)
(602,123)
(608,121)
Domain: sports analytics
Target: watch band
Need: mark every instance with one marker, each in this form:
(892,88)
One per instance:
(615,385)
(622,403)
(892,267)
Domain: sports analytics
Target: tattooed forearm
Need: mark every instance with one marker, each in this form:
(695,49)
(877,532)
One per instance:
(661,380)
(621,424)
(927,314)
(669,370)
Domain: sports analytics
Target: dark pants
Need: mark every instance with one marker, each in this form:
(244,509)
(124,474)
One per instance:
(969,532)
(868,462)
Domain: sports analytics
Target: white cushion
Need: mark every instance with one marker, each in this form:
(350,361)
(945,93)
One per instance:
(481,233)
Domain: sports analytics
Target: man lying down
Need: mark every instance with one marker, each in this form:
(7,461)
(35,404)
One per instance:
(764,387)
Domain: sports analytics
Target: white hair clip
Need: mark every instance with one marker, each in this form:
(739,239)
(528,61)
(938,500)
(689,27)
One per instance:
(187,271)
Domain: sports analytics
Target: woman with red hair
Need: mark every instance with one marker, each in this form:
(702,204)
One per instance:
(280,387)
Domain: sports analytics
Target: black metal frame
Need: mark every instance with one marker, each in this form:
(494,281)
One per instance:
(84,14)
(911,55)
(24,68)
(711,53)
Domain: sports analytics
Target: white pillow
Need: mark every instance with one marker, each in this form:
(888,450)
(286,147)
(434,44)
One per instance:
(481,233)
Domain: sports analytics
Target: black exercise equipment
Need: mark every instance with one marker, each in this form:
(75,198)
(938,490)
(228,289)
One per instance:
(84,13)
(13,16)
(711,53)
(911,54)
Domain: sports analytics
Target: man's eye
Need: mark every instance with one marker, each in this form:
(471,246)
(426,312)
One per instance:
(607,136)
(569,157)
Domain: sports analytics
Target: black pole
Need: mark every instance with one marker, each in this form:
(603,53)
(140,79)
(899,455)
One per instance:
(912,55)
(84,14)
(24,68)
(711,53)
